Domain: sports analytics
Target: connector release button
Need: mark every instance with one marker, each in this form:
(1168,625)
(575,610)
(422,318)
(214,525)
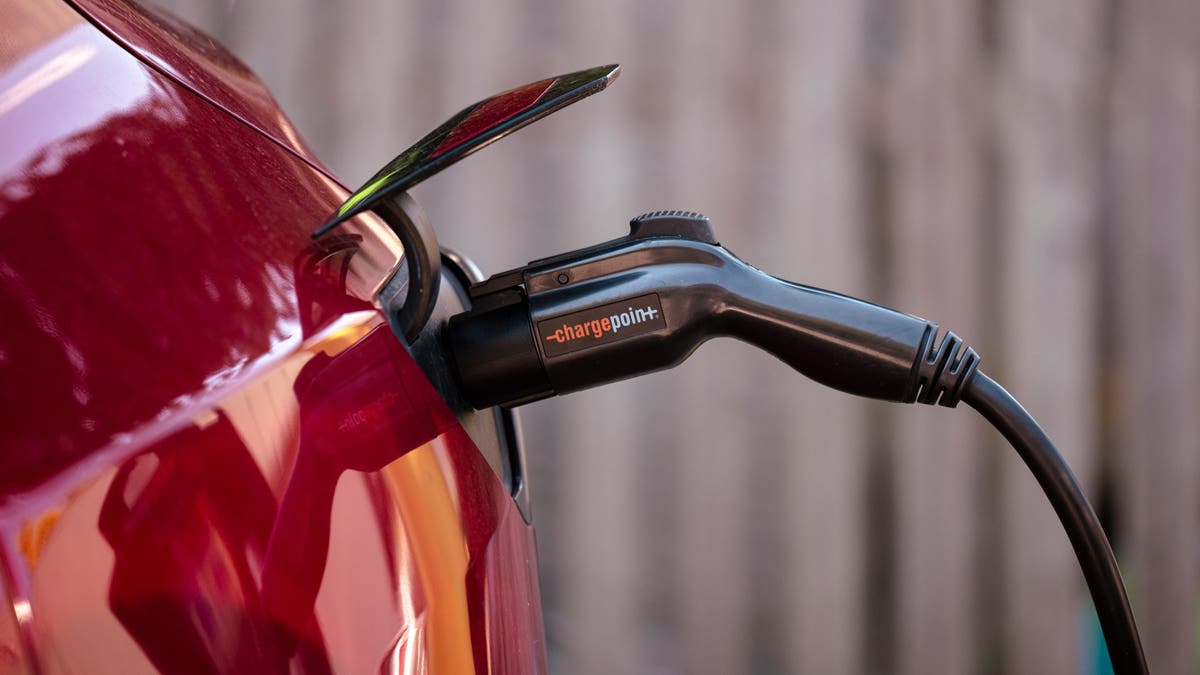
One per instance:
(685,224)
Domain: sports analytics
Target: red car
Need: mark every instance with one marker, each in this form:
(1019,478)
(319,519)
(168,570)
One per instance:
(215,455)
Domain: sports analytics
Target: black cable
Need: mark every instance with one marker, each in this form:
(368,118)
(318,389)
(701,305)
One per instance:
(1078,519)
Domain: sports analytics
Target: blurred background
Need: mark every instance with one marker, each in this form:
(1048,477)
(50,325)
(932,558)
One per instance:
(1026,173)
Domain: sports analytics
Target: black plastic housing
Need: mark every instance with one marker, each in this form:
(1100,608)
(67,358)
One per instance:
(495,354)
(704,292)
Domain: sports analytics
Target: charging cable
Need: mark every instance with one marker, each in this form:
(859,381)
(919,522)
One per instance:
(646,301)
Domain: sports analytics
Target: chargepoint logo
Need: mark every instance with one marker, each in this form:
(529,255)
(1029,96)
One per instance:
(598,328)
(601,325)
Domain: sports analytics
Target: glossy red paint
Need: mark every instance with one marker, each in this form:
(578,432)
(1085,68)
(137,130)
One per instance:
(214,454)
(198,62)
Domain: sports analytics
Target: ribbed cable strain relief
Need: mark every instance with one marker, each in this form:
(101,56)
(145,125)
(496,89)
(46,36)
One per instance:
(942,371)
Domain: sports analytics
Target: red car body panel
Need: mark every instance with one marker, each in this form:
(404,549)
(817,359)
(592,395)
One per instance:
(198,62)
(214,454)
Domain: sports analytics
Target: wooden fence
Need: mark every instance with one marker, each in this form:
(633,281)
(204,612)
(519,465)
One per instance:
(1025,172)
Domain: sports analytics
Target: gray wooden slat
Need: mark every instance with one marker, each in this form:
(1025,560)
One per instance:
(648,103)
(474,203)
(1155,136)
(539,230)
(377,64)
(581,192)
(816,236)
(1049,121)
(934,139)
(712,140)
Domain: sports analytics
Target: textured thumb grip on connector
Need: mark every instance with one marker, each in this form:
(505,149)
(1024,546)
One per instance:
(942,370)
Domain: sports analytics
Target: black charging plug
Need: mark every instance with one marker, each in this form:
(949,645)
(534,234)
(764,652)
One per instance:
(646,301)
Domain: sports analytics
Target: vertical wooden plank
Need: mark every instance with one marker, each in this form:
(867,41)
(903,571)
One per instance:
(544,170)
(713,138)
(582,191)
(371,102)
(1049,114)
(816,236)
(648,102)
(934,140)
(473,203)
(1156,153)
